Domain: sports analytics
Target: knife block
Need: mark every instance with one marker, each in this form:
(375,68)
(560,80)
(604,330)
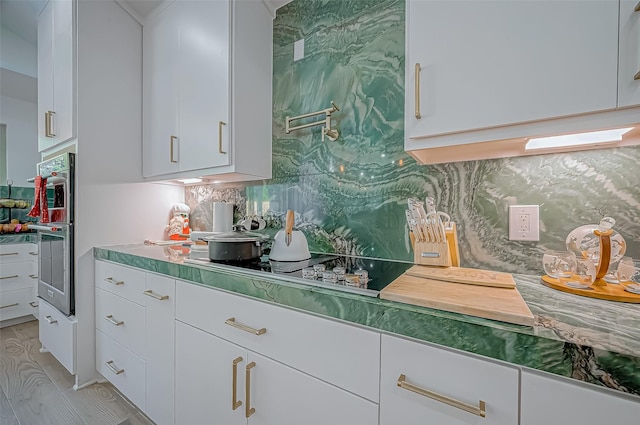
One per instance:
(442,254)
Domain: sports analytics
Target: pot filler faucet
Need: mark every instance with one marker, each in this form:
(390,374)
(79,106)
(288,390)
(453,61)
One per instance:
(332,134)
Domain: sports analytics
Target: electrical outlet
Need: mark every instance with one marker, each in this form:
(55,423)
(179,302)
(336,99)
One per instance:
(524,223)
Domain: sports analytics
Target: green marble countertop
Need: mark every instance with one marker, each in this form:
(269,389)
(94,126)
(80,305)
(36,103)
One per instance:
(590,340)
(13,238)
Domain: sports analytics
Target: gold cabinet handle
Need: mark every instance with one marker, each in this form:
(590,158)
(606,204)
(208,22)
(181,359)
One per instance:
(33,253)
(637,76)
(220,124)
(33,276)
(232,322)
(46,124)
(417,84)
(248,410)
(9,305)
(235,403)
(113,281)
(9,253)
(479,411)
(50,320)
(113,321)
(114,369)
(33,304)
(9,277)
(171,152)
(637,8)
(150,293)
(49,126)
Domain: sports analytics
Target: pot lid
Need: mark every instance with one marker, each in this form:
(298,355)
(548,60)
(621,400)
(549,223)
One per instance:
(237,235)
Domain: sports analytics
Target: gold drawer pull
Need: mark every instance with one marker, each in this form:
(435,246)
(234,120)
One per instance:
(33,304)
(50,320)
(248,410)
(113,281)
(171,148)
(479,411)
(220,124)
(150,293)
(417,84)
(9,277)
(637,76)
(9,305)
(637,8)
(235,403)
(33,276)
(33,253)
(113,368)
(9,253)
(110,319)
(232,322)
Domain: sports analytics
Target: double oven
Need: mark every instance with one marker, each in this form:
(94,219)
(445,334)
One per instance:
(56,235)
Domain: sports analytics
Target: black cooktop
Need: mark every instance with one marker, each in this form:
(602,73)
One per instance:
(381,272)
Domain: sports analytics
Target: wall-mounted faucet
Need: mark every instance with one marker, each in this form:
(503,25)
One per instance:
(332,134)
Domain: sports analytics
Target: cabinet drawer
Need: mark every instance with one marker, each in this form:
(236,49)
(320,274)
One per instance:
(18,252)
(18,275)
(459,377)
(58,334)
(122,368)
(120,280)
(15,303)
(343,355)
(122,320)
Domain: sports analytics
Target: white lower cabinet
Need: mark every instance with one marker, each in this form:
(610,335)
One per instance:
(135,338)
(421,384)
(551,400)
(220,382)
(18,280)
(58,334)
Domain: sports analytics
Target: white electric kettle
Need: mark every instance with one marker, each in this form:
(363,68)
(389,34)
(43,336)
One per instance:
(289,244)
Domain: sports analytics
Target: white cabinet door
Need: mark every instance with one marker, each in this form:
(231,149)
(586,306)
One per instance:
(460,378)
(45,74)
(160,342)
(160,56)
(205,376)
(281,395)
(204,84)
(495,63)
(57,334)
(629,70)
(548,400)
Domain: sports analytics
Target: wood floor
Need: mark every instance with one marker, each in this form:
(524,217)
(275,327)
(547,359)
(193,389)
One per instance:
(36,390)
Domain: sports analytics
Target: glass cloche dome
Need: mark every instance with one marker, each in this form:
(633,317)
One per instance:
(584,243)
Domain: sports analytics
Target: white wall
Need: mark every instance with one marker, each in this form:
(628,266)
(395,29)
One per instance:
(17,54)
(113,205)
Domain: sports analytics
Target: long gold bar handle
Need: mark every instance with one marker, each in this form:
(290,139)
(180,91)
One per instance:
(51,132)
(113,321)
(33,253)
(9,253)
(479,411)
(50,320)
(114,282)
(46,124)
(9,305)
(637,8)
(248,410)
(220,124)
(33,276)
(418,69)
(114,369)
(150,293)
(171,148)
(232,322)
(235,403)
(9,277)
(637,76)
(33,304)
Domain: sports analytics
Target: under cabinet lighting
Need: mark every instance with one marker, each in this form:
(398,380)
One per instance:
(577,139)
(190,181)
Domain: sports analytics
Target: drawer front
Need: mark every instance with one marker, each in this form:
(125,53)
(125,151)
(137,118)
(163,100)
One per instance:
(429,370)
(343,355)
(122,368)
(15,303)
(120,280)
(18,275)
(58,334)
(18,252)
(122,320)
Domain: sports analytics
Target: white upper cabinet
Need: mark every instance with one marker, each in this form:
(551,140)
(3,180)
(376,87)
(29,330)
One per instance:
(474,65)
(629,69)
(55,74)
(207,69)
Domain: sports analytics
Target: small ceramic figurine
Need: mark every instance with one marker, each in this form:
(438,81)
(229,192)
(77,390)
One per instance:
(178,227)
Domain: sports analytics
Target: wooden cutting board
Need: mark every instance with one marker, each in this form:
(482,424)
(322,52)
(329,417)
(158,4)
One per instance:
(464,275)
(504,304)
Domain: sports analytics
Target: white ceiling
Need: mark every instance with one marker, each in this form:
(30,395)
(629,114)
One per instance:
(20,16)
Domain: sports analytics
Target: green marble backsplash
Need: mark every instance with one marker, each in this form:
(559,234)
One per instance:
(350,195)
(24,193)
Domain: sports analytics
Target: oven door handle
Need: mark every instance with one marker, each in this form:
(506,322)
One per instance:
(46,228)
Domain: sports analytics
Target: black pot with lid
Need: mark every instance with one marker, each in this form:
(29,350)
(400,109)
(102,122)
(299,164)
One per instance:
(237,245)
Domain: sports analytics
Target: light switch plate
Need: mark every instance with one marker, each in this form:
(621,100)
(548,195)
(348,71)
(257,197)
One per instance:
(524,222)
(298,50)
